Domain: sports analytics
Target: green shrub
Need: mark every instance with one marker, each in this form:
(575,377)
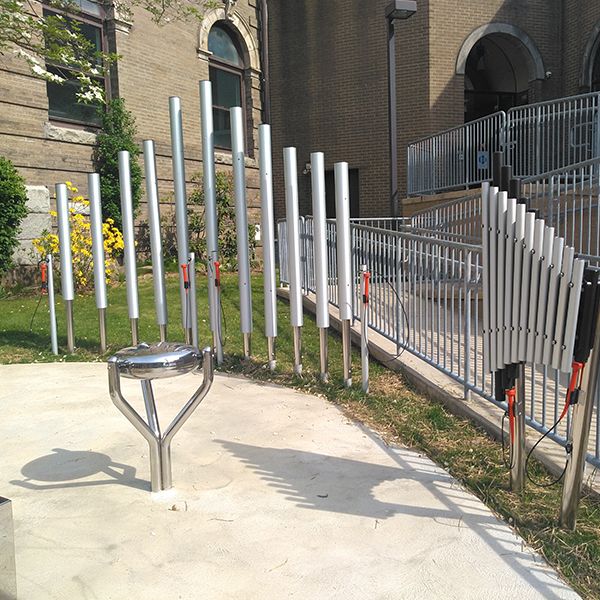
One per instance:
(226,221)
(197,227)
(118,133)
(13,209)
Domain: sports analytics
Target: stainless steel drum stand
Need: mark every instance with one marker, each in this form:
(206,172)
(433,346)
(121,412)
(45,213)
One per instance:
(158,361)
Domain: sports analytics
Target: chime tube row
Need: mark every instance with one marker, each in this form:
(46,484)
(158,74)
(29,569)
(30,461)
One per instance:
(533,285)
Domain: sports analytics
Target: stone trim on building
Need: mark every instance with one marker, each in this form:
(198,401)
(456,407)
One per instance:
(589,55)
(537,62)
(250,45)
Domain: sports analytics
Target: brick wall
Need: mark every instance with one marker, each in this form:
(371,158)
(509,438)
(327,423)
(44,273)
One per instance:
(329,77)
(157,62)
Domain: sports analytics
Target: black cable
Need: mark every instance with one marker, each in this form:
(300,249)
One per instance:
(397,356)
(35,311)
(568,450)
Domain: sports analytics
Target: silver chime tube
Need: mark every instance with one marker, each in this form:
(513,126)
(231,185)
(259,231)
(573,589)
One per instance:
(210,213)
(317,174)
(66,260)
(52,306)
(181,218)
(364,328)
(98,254)
(344,263)
(129,243)
(241,225)
(268,236)
(194,314)
(580,431)
(485,244)
(290,176)
(158,268)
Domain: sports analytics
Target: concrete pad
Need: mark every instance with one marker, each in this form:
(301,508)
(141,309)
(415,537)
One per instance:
(277,495)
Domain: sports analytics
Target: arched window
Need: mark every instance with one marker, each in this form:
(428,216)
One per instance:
(226,73)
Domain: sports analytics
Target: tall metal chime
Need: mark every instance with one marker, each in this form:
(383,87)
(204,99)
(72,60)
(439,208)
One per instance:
(66,260)
(189,313)
(156,250)
(268,237)
(210,212)
(241,223)
(98,254)
(129,244)
(344,264)
(290,175)
(317,173)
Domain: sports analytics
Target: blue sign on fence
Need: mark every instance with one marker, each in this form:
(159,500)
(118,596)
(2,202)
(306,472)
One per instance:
(483,159)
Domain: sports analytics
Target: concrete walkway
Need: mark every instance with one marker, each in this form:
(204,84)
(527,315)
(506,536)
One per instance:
(277,495)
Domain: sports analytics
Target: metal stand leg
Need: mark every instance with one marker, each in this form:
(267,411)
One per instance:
(347,352)
(52,307)
(150,405)
(580,432)
(102,327)
(70,332)
(271,353)
(517,471)
(364,350)
(135,338)
(323,347)
(297,350)
(162,329)
(247,344)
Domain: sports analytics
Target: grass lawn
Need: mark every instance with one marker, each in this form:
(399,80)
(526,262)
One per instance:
(392,408)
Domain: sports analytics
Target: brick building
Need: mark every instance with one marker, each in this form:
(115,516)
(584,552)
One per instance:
(455,61)
(49,137)
(327,82)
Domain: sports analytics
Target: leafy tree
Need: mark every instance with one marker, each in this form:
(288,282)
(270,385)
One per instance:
(36,37)
(225,218)
(13,209)
(118,133)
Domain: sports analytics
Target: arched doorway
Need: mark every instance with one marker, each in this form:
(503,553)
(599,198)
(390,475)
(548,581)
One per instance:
(498,62)
(496,77)
(595,84)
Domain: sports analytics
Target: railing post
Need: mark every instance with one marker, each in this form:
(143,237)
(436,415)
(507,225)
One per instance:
(580,431)
(467,324)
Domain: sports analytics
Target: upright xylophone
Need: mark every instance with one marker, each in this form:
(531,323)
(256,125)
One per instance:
(540,307)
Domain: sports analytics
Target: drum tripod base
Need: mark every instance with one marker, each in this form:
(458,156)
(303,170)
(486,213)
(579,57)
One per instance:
(150,362)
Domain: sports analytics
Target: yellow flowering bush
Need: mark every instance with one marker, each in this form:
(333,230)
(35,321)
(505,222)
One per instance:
(81,245)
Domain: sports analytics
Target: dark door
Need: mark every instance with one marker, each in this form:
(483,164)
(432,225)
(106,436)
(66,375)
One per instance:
(330,193)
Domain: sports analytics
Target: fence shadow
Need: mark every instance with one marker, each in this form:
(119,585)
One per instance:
(329,483)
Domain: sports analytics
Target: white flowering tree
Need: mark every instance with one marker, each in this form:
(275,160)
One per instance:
(43,38)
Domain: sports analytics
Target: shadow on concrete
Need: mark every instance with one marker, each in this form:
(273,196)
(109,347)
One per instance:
(329,483)
(59,469)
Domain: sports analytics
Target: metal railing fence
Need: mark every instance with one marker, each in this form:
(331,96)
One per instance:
(535,139)
(426,298)
(568,199)
(458,157)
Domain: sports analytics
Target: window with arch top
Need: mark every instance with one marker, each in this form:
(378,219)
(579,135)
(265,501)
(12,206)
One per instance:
(226,73)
